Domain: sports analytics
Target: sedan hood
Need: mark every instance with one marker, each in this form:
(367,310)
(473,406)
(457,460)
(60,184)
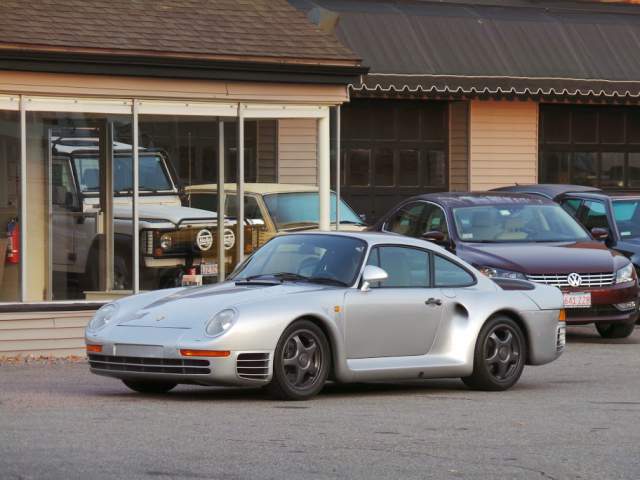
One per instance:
(191,307)
(537,258)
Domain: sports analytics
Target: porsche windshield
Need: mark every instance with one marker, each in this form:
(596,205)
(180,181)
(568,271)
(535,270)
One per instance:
(327,259)
(517,223)
(302,208)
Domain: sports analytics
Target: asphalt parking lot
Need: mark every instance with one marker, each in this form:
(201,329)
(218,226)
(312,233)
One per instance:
(577,418)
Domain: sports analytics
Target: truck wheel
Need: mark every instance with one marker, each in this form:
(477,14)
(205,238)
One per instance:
(615,330)
(121,274)
(499,356)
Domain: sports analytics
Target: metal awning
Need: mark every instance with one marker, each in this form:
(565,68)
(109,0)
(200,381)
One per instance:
(508,47)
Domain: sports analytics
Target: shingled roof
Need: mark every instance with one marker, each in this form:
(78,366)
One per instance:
(230,30)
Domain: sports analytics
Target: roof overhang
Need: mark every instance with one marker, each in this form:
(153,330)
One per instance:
(140,65)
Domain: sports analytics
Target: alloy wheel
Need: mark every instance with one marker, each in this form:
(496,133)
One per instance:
(502,352)
(302,359)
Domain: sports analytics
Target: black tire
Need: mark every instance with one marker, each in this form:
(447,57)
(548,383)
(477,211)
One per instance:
(301,363)
(122,279)
(615,330)
(149,386)
(500,355)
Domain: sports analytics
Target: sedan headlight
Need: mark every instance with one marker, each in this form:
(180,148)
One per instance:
(625,274)
(499,272)
(103,317)
(221,322)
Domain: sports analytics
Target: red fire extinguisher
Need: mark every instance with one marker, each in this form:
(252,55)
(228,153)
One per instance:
(13,234)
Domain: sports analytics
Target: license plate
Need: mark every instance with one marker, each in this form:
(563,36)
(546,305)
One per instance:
(577,300)
(209,269)
(129,350)
(191,280)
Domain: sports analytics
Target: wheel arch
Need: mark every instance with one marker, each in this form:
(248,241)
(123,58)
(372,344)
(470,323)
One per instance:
(330,331)
(516,317)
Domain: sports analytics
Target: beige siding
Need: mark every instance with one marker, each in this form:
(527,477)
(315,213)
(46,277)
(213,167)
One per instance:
(503,143)
(297,151)
(459,146)
(267,151)
(43,333)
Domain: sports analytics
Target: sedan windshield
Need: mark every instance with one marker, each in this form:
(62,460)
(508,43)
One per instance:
(517,223)
(327,259)
(302,208)
(627,215)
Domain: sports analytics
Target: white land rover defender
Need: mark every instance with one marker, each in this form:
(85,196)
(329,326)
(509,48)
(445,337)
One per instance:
(173,238)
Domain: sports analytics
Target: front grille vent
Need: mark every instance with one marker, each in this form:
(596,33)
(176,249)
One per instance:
(179,366)
(562,279)
(253,366)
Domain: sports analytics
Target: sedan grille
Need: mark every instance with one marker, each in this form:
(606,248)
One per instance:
(149,365)
(562,279)
(253,366)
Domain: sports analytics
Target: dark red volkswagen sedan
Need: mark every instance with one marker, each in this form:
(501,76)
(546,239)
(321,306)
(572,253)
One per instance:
(527,237)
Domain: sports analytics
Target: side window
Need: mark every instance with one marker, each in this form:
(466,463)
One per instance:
(448,274)
(594,215)
(571,205)
(204,201)
(63,188)
(406,267)
(251,209)
(408,220)
(434,221)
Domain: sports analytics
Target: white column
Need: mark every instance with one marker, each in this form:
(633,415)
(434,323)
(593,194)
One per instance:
(23,199)
(240,185)
(338,167)
(324,171)
(135,257)
(220,219)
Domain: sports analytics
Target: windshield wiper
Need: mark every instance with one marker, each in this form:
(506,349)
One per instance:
(351,222)
(327,281)
(294,277)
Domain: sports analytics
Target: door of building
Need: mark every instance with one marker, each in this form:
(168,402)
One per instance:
(391,150)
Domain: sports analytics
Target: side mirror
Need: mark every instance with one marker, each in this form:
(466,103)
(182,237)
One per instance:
(363,217)
(599,233)
(434,236)
(372,274)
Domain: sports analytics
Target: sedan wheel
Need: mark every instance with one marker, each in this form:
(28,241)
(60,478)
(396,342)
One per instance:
(615,330)
(499,357)
(301,363)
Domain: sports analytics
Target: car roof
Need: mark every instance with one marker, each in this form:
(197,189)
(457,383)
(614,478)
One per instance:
(374,238)
(255,188)
(472,199)
(549,190)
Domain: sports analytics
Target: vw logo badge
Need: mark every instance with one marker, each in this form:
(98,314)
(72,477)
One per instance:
(574,280)
(204,240)
(229,239)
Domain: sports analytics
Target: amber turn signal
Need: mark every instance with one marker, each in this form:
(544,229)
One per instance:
(563,315)
(94,348)
(205,353)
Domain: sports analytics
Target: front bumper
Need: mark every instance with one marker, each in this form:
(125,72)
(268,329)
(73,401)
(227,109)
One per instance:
(164,362)
(605,302)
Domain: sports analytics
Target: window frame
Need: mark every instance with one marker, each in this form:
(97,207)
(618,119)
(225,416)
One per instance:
(409,205)
(473,277)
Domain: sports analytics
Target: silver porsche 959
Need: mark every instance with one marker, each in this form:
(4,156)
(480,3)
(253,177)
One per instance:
(349,307)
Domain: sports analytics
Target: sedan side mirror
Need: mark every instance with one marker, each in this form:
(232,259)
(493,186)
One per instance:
(434,236)
(599,233)
(372,274)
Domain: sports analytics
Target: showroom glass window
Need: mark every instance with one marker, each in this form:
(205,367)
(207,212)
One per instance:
(10,255)
(79,234)
(590,145)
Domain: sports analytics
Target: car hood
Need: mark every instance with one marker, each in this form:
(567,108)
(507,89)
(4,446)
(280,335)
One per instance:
(537,258)
(192,307)
(173,214)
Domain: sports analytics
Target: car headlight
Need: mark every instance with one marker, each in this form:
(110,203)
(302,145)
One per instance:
(625,274)
(221,322)
(499,272)
(103,317)
(165,241)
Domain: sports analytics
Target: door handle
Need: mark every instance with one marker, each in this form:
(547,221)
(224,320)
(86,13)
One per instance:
(433,301)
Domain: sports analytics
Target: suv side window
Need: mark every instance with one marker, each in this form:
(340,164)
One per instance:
(64,189)
(251,208)
(449,274)
(406,267)
(594,215)
(571,205)
(416,219)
